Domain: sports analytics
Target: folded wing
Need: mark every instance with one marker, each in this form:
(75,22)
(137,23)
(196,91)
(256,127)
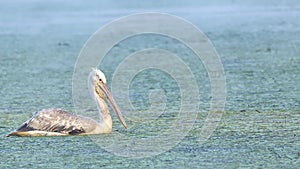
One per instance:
(53,120)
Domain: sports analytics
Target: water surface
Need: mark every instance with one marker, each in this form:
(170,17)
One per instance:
(258,43)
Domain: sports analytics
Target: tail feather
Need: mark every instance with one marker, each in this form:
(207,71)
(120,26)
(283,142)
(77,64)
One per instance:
(21,131)
(14,133)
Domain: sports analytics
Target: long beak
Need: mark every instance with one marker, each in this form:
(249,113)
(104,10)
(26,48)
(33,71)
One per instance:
(112,103)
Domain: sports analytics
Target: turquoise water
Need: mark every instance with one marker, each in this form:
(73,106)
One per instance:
(258,44)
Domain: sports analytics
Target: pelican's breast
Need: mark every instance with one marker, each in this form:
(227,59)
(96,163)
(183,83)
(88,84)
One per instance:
(92,126)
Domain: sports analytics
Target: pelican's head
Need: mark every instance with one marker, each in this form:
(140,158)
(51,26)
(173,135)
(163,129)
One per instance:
(97,76)
(97,85)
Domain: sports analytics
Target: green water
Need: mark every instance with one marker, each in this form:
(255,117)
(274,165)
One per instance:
(258,44)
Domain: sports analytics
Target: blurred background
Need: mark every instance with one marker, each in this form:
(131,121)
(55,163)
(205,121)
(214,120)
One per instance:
(257,41)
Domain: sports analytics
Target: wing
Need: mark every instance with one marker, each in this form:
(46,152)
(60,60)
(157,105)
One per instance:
(54,120)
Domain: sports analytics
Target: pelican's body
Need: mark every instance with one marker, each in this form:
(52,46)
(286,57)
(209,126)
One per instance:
(57,122)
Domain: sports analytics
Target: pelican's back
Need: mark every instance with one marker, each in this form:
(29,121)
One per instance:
(54,122)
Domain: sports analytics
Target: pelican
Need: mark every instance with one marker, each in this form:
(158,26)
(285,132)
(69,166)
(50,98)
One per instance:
(57,122)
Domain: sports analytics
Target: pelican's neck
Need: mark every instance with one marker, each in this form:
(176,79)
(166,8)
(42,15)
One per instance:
(105,118)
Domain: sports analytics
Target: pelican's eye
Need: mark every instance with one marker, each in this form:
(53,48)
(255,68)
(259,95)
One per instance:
(99,78)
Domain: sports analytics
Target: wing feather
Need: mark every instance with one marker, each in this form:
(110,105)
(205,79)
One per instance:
(54,120)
